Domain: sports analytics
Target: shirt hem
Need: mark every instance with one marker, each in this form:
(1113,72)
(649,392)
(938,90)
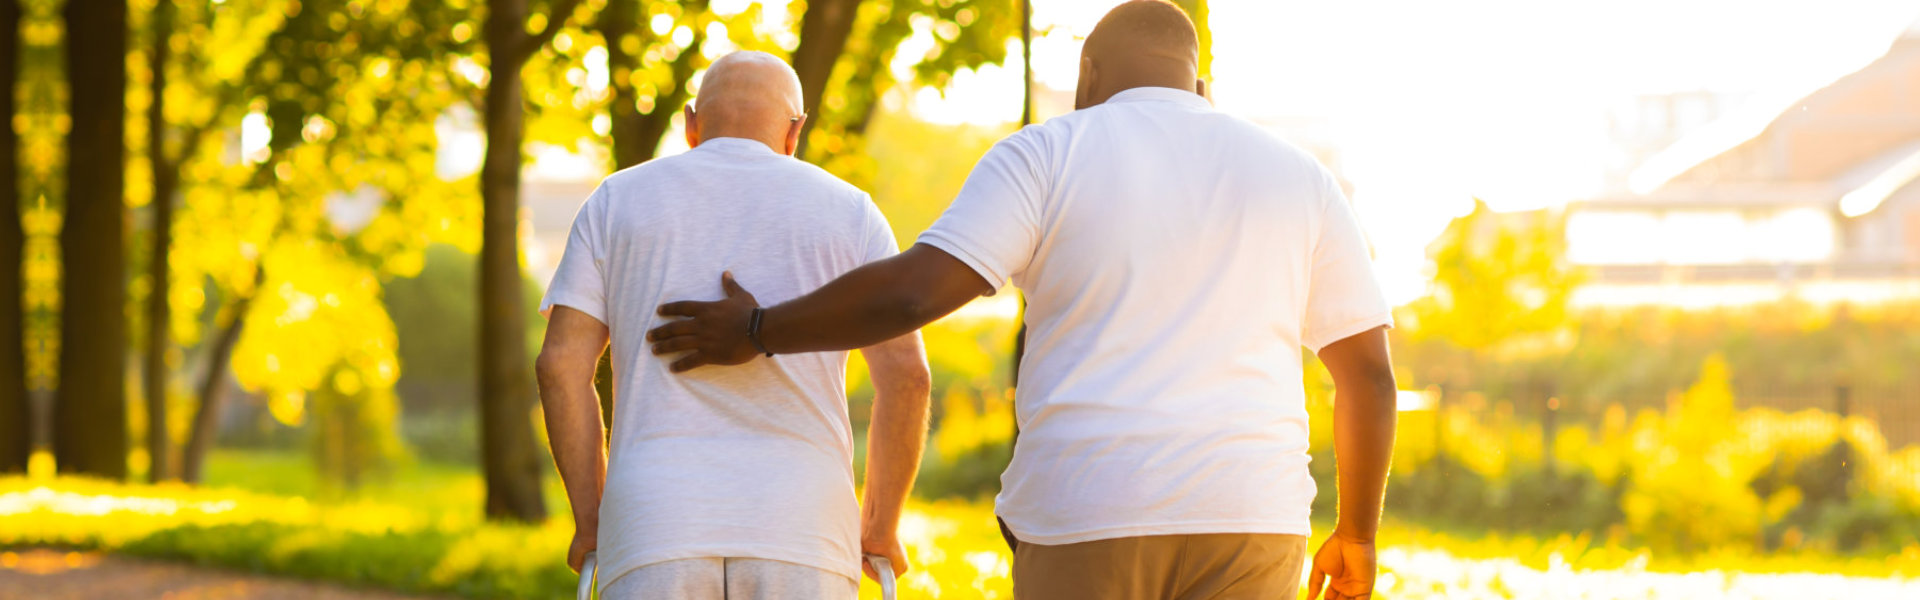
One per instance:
(598,313)
(1302,528)
(958,250)
(1350,329)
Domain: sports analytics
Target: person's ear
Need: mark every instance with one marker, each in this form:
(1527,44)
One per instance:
(1083,93)
(798,125)
(693,126)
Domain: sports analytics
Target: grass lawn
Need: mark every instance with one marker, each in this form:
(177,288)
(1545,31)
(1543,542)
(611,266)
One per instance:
(421,530)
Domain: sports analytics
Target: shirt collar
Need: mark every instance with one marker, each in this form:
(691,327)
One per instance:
(735,146)
(1160,94)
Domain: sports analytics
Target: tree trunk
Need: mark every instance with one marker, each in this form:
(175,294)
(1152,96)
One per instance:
(617,21)
(823,36)
(16,421)
(508,455)
(213,391)
(90,412)
(636,135)
(159,313)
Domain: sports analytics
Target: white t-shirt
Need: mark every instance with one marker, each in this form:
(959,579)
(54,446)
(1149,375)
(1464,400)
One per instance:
(754,461)
(1175,259)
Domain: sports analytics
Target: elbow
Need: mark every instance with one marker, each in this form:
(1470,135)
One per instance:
(909,390)
(1385,389)
(919,385)
(549,369)
(914,386)
(904,310)
(1372,386)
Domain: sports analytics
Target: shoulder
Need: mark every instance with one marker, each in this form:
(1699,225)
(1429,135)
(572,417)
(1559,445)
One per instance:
(824,180)
(637,177)
(1271,152)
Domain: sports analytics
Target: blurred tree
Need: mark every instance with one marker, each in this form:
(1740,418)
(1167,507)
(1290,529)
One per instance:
(161,166)
(1501,285)
(508,454)
(212,393)
(90,415)
(824,30)
(15,418)
(845,55)
(188,97)
(331,188)
(643,104)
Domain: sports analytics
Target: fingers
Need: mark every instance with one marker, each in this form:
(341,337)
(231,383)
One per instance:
(1315,582)
(684,308)
(676,344)
(867,567)
(673,329)
(731,287)
(1349,588)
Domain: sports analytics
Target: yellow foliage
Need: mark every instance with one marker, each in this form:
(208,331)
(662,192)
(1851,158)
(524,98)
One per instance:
(964,427)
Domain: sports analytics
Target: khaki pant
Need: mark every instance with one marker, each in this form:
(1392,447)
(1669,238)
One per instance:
(1164,567)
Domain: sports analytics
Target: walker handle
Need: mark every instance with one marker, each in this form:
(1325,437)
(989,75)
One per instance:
(589,569)
(883,567)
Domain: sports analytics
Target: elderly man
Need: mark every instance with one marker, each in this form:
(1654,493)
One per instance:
(735,483)
(1175,260)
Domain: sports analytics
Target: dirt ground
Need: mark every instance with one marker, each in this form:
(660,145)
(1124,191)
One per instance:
(60,575)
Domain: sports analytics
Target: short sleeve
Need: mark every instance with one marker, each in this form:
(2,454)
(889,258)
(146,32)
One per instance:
(993,226)
(579,282)
(879,242)
(1343,294)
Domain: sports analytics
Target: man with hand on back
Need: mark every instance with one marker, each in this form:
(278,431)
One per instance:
(738,483)
(1175,259)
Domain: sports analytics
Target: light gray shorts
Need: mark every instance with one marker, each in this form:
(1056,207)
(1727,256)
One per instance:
(730,579)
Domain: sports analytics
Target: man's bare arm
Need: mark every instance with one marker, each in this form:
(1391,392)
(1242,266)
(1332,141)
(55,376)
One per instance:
(565,369)
(895,439)
(874,303)
(1364,415)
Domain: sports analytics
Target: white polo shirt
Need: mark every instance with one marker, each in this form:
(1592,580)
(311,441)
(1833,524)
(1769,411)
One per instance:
(754,461)
(1175,259)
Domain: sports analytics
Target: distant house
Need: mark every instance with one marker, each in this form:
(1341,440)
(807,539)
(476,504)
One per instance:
(1822,204)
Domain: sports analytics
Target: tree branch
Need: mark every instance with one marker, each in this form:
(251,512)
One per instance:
(192,136)
(562,10)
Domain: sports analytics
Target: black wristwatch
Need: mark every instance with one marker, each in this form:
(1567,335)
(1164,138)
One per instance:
(753,331)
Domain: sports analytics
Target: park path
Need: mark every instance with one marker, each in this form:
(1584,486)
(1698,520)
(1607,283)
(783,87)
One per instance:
(57,575)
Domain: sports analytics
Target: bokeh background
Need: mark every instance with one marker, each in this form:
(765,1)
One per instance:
(273,267)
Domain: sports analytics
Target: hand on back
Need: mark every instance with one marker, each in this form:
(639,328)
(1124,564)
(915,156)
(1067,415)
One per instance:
(713,333)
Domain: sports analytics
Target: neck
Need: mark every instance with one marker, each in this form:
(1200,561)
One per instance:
(1186,85)
(775,147)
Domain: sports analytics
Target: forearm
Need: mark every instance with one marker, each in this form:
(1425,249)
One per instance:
(872,304)
(1364,418)
(897,434)
(894,444)
(575,434)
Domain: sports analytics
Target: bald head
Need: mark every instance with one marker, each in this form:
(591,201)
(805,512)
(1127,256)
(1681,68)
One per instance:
(750,95)
(1143,43)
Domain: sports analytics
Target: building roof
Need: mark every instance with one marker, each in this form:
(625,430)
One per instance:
(1855,142)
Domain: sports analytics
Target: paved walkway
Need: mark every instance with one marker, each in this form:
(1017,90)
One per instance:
(57,575)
